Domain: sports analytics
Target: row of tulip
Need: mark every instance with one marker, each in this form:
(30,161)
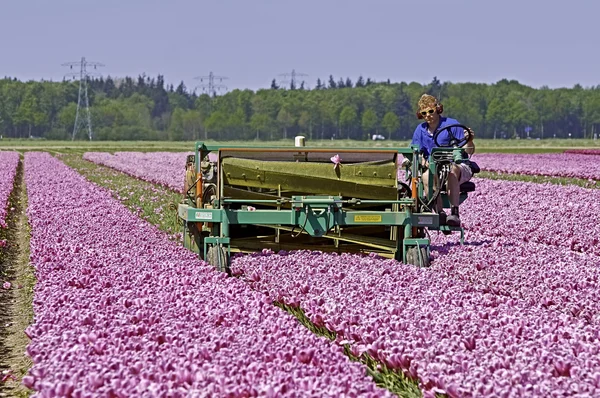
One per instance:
(584,151)
(557,215)
(164,168)
(539,245)
(122,311)
(8,172)
(515,312)
(569,165)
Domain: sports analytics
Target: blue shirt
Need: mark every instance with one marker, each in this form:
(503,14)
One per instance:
(424,140)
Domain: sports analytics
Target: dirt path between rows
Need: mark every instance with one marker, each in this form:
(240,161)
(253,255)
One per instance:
(16,312)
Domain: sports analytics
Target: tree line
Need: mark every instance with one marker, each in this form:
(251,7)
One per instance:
(148,109)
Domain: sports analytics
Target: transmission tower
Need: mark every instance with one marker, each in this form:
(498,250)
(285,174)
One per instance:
(293,82)
(210,87)
(82,122)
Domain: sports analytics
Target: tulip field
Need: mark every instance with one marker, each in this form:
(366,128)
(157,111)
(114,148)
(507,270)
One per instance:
(515,312)
(122,309)
(583,164)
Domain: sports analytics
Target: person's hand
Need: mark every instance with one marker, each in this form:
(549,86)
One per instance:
(469,134)
(406,163)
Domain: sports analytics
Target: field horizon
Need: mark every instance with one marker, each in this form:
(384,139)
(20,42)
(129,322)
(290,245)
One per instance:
(483,145)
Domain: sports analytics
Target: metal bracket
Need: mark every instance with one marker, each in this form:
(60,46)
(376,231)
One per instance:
(450,228)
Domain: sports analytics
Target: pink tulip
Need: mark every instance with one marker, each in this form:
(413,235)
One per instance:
(337,161)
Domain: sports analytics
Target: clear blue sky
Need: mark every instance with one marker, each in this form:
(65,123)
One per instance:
(553,43)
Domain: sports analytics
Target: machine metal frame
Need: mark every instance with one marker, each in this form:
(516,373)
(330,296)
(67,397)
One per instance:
(208,219)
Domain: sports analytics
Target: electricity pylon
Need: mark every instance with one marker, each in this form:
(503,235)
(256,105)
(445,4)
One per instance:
(292,81)
(210,87)
(82,122)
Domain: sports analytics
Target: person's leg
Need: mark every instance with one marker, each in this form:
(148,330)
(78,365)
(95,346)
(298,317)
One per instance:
(425,178)
(459,174)
(453,187)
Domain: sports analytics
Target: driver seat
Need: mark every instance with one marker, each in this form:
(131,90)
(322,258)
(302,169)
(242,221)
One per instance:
(468,186)
(465,187)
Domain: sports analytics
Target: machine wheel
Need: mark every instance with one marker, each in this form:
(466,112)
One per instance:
(404,190)
(412,257)
(217,257)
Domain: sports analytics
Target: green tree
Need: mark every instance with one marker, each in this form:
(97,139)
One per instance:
(217,123)
(192,125)
(237,125)
(332,83)
(305,122)
(390,123)
(591,111)
(369,122)
(495,116)
(25,112)
(259,122)
(348,119)
(285,120)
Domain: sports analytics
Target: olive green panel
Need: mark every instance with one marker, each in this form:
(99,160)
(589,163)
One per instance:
(367,181)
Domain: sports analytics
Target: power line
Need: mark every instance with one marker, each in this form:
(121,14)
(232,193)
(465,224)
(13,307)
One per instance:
(82,122)
(210,87)
(293,78)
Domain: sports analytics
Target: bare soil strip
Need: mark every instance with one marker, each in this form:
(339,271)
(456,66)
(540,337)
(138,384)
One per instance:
(16,311)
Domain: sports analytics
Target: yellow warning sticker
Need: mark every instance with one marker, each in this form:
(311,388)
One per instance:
(367,218)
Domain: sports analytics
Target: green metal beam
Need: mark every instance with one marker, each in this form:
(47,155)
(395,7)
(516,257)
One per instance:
(317,216)
(201,146)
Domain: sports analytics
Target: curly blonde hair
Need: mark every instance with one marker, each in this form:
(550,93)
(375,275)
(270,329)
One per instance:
(427,101)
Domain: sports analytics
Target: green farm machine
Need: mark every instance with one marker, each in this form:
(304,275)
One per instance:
(245,199)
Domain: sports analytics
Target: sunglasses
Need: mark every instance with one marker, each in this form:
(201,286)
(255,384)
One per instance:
(430,111)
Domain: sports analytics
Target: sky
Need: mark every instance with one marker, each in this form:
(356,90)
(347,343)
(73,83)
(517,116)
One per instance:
(251,42)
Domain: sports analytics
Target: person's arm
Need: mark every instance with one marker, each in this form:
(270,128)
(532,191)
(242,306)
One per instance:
(470,145)
(416,140)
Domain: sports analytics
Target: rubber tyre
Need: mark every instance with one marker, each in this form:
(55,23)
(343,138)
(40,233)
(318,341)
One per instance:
(218,258)
(412,257)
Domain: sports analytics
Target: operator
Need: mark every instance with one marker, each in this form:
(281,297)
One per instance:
(430,110)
